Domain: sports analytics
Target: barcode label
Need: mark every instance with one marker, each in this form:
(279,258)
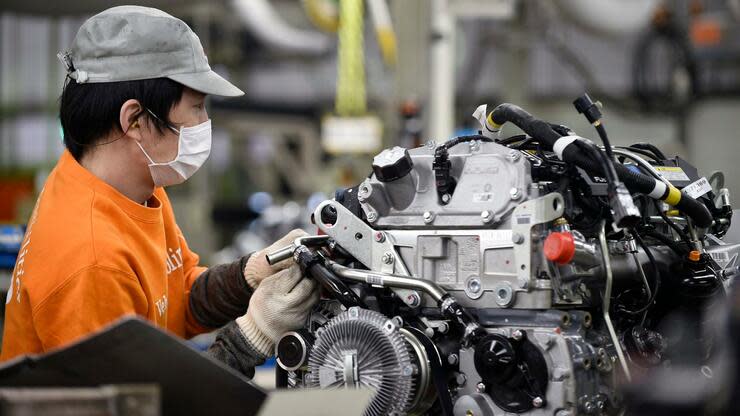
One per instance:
(698,188)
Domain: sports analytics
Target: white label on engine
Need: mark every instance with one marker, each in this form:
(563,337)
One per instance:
(698,188)
(672,173)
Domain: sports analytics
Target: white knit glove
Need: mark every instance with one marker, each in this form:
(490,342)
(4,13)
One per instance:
(257,267)
(280,304)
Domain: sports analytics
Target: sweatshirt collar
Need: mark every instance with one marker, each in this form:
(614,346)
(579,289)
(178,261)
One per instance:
(151,213)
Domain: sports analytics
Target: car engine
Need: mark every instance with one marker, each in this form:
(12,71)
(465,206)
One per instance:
(533,274)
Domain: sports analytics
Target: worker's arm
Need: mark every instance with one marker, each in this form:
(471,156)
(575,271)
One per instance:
(281,303)
(86,301)
(221,293)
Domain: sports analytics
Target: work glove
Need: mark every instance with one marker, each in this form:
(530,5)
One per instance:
(257,267)
(281,303)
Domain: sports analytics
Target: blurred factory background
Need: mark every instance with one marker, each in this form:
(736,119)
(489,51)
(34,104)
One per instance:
(323,97)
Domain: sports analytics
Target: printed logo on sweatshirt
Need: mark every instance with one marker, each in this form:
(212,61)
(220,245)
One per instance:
(173,259)
(20,264)
(161,304)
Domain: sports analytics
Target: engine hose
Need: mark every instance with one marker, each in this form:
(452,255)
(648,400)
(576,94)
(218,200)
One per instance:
(635,181)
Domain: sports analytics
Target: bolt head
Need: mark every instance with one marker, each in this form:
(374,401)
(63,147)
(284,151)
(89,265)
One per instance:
(387,258)
(486,216)
(514,193)
(379,236)
(460,379)
(517,238)
(413,300)
(428,217)
(514,156)
(474,285)
(372,217)
(481,387)
(537,402)
(517,335)
(452,359)
(446,198)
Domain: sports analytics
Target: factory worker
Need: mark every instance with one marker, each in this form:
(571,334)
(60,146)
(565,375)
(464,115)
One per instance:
(103,241)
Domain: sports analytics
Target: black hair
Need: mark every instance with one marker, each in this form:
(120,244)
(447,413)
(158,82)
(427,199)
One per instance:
(89,112)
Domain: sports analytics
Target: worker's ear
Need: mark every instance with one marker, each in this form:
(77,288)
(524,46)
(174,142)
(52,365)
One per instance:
(131,119)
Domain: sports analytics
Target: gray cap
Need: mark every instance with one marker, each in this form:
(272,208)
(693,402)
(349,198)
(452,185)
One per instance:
(129,43)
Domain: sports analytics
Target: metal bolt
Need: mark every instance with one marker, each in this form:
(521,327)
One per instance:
(372,217)
(460,379)
(481,387)
(453,359)
(387,258)
(537,402)
(363,193)
(379,236)
(474,285)
(474,146)
(446,198)
(431,144)
(514,156)
(486,216)
(413,300)
(428,217)
(517,238)
(517,335)
(514,193)
(408,370)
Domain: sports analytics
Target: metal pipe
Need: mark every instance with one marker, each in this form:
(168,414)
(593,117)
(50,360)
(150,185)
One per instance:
(642,162)
(287,251)
(390,280)
(645,282)
(607,300)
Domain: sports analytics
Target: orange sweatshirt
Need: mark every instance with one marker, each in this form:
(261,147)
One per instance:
(90,255)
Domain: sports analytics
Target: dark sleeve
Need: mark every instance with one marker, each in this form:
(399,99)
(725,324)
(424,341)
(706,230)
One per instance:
(233,349)
(220,294)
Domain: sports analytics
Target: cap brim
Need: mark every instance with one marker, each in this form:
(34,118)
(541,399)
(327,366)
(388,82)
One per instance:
(208,83)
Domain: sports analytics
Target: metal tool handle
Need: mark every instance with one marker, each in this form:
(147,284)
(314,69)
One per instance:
(287,251)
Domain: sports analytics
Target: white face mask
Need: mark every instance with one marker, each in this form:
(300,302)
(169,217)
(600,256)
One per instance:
(193,148)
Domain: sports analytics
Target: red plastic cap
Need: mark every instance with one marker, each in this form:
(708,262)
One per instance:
(560,247)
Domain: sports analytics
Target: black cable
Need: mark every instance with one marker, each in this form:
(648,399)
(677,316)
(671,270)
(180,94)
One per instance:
(659,155)
(641,152)
(513,139)
(635,181)
(598,155)
(673,245)
(607,145)
(462,139)
(657,279)
(684,237)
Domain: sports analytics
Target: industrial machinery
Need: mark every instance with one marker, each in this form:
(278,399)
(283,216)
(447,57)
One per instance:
(524,275)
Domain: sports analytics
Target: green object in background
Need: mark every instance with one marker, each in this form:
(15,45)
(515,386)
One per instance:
(351,99)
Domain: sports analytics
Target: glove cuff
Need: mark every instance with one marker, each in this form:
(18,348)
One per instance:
(260,342)
(249,275)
